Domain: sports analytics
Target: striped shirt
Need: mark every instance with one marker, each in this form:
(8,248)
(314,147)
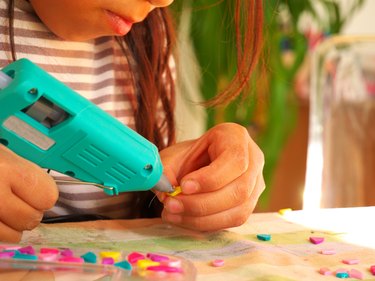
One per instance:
(97,70)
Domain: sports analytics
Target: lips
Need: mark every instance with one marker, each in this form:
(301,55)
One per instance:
(120,25)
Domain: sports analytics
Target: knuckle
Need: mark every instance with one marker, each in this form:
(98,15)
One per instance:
(240,193)
(258,154)
(242,160)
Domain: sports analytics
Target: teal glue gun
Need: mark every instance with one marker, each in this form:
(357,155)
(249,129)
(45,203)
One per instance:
(46,122)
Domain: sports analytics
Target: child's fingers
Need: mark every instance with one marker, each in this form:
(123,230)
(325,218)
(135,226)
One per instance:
(228,218)
(35,187)
(232,153)
(8,234)
(209,203)
(18,215)
(27,181)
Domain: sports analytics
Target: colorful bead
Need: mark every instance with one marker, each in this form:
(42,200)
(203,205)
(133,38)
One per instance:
(172,263)
(108,260)
(325,271)
(89,257)
(20,256)
(156,257)
(29,250)
(354,273)
(218,263)
(177,190)
(67,253)
(124,264)
(134,257)
(342,275)
(49,251)
(146,263)
(115,255)
(316,240)
(264,237)
(165,268)
(284,211)
(7,254)
(351,261)
(47,257)
(72,259)
(328,252)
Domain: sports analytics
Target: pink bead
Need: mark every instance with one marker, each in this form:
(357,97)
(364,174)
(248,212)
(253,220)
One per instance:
(325,271)
(156,257)
(67,253)
(372,269)
(108,260)
(172,263)
(316,240)
(134,257)
(164,268)
(354,273)
(7,255)
(351,261)
(328,252)
(47,257)
(72,259)
(27,250)
(218,263)
(49,251)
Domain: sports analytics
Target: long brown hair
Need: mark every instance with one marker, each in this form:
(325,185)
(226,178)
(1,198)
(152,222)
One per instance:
(152,43)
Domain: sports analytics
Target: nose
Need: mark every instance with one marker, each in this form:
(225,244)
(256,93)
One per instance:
(160,3)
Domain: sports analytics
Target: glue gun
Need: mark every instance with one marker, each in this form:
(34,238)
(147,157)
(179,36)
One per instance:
(46,122)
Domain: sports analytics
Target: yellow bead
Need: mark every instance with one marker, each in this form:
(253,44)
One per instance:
(284,211)
(115,255)
(146,263)
(177,190)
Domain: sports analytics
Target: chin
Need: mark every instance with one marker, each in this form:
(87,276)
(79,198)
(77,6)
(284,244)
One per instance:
(80,37)
(71,34)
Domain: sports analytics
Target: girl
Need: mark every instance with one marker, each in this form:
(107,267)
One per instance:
(118,55)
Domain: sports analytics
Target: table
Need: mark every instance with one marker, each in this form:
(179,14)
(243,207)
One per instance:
(289,255)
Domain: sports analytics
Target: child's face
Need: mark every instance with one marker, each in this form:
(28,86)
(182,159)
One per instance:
(80,20)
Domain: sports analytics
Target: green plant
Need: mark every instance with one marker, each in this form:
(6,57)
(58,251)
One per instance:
(271,109)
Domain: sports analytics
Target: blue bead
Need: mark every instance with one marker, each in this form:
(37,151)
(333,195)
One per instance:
(342,275)
(124,264)
(264,237)
(89,257)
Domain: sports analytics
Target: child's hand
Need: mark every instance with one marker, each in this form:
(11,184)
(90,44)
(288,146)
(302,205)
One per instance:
(26,191)
(221,179)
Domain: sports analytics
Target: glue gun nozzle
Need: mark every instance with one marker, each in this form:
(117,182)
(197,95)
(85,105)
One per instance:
(164,185)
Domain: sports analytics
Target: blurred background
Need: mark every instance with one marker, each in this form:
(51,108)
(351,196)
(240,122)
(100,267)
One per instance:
(277,112)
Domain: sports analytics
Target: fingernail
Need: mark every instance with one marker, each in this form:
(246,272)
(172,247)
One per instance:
(174,206)
(173,218)
(189,187)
